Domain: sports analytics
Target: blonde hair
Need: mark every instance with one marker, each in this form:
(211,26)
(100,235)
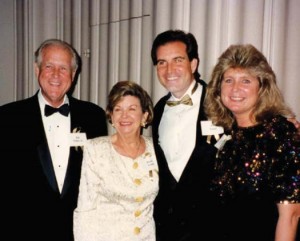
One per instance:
(270,100)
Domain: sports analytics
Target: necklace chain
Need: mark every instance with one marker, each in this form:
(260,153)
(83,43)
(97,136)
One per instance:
(137,151)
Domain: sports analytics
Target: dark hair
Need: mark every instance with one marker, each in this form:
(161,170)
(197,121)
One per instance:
(177,36)
(124,88)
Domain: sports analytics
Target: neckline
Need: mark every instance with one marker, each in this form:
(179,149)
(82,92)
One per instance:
(127,156)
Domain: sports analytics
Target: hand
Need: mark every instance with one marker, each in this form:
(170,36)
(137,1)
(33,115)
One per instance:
(296,123)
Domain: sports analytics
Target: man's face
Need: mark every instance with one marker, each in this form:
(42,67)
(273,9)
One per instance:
(55,75)
(174,69)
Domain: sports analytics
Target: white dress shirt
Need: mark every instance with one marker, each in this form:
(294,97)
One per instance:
(57,128)
(177,131)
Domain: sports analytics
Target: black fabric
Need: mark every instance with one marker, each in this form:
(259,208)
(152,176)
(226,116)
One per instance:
(186,210)
(35,209)
(64,110)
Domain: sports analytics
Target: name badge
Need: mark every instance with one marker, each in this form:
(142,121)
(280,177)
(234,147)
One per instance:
(149,165)
(208,129)
(77,139)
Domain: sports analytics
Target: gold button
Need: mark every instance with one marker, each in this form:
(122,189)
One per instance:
(137,230)
(135,165)
(137,213)
(137,181)
(139,199)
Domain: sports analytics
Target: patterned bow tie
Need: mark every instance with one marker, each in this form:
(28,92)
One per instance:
(64,110)
(186,100)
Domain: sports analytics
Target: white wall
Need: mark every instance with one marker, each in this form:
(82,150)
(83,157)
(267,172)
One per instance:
(7,51)
(119,33)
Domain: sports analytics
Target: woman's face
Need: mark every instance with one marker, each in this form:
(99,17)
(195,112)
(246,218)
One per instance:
(127,115)
(239,93)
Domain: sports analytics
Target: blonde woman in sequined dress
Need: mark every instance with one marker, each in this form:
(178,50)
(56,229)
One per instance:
(258,170)
(119,179)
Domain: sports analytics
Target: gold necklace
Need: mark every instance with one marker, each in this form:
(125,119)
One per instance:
(135,155)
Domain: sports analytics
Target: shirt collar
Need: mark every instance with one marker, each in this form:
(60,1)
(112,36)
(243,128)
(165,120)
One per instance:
(192,88)
(43,101)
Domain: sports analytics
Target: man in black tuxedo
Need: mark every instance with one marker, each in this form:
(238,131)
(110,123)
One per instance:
(41,148)
(184,209)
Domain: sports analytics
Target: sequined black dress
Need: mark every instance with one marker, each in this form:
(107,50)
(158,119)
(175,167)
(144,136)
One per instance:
(258,168)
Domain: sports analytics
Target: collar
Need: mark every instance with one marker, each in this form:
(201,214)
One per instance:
(190,91)
(43,101)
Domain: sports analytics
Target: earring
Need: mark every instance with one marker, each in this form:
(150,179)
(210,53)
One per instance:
(143,124)
(112,124)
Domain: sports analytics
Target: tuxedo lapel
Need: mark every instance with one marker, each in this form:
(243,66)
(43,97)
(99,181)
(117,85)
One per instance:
(200,140)
(78,120)
(163,164)
(75,157)
(43,151)
(73,171)
(200,144)
(46,161)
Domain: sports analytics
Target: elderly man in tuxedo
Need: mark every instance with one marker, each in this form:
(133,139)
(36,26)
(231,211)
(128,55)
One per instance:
(41,149)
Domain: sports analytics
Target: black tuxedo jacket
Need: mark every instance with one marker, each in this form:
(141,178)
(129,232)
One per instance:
(34,209)
(185,210)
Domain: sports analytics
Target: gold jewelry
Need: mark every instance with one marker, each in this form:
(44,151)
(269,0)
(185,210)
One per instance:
(135,155)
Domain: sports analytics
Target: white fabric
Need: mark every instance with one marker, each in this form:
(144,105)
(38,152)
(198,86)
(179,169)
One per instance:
(177,132)
(108,196)
(57,128)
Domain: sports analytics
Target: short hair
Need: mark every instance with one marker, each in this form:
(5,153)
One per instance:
(177,36)
(56,42)
(125,88)
(270,100)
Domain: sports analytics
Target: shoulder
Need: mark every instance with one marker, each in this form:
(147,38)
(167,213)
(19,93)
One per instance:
(201,82)
(162,101)
(97,146)
(19,104)
(280,124)
(280,129)
(98,141)
(20,109)
(85,106)
(149,143)
(95,152)
(148,139)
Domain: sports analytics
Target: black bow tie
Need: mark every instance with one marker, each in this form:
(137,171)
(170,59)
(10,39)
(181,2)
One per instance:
(64,110)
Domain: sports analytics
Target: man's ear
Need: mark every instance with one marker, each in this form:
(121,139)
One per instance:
(194,65)
(36,70)
(74,74)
